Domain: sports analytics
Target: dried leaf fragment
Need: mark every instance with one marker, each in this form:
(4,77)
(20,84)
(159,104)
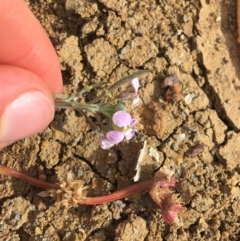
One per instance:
(194,150)
(142,153)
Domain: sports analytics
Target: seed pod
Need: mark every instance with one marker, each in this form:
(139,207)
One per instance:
(170,81)
(194,150)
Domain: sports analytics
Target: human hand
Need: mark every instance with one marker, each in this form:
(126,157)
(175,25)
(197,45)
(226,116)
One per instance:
(29,73)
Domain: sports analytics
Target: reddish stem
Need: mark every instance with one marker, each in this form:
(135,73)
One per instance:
(127,191)
(34,181)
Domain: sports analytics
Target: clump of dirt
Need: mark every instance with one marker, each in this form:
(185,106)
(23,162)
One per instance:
(14,214)
(105,40)
(135,228)
(101,56)
(229,153)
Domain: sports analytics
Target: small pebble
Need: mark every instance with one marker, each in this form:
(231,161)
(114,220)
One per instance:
(218,19)
(179,137)
(175,146)
(188,98)
(42,177)
(219,40)
(182,37)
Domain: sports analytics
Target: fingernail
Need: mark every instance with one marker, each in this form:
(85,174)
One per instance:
(29,114)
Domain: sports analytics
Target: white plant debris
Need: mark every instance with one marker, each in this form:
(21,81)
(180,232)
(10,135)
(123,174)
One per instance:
(139,161)
(154,154)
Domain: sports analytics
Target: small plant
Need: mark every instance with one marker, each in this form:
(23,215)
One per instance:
(113,122)
(73,193)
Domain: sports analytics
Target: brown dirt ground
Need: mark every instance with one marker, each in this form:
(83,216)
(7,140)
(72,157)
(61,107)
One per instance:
(108,39)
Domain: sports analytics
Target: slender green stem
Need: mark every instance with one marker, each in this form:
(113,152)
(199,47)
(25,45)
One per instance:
(77,106)
(119,84)
(86,89)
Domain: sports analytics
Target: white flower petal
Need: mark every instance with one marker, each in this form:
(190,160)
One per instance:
(136,101)
(129,134)
(135,84)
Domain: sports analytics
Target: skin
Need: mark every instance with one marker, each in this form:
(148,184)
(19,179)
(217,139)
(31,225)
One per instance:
(29,73)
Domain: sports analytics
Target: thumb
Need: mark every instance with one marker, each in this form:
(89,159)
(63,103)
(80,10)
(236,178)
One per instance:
(26,104)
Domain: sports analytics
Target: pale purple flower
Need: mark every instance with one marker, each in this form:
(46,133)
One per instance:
(122,124)
(105,143)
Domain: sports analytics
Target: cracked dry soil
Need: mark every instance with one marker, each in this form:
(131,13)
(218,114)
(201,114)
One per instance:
(106,40)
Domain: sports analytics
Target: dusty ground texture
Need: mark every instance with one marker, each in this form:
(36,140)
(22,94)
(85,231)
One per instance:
(108,39)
